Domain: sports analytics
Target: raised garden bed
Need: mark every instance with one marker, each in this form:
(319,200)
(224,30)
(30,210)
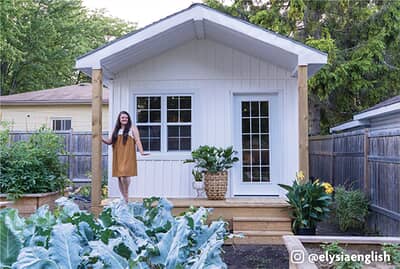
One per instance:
(303,250)
(28,203)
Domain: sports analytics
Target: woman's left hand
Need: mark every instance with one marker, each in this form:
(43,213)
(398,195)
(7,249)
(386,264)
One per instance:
(145,154)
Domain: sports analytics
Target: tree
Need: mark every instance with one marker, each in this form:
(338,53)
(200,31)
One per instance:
(40,40)
(361,37)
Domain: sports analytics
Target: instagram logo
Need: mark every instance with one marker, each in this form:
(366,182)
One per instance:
(297,256)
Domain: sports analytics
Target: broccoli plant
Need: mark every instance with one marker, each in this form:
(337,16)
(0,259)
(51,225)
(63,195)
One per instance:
(135,235)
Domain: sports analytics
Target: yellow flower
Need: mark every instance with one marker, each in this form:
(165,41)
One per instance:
(300,177)
(104,191)
(328,187)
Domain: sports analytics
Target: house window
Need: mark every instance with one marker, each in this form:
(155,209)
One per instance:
(165,122)
(148,120)
(255,141)
(63,124)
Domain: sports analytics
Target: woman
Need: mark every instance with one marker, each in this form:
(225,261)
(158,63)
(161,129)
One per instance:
(123,140)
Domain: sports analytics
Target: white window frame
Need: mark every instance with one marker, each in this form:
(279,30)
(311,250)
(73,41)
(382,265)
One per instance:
(62,119)
(164,123)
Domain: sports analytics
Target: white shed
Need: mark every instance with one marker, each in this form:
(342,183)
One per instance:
(201,77)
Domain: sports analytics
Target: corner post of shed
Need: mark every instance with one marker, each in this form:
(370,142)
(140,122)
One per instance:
(302,76)
(97,90)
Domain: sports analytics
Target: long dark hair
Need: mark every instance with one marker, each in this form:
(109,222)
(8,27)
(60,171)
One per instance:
(118,126)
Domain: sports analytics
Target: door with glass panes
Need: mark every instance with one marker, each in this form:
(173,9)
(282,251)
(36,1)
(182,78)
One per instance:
(257,136)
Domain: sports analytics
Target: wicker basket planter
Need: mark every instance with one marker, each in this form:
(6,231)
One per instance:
(216,185)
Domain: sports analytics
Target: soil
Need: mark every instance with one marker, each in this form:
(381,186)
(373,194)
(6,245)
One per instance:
(256,256)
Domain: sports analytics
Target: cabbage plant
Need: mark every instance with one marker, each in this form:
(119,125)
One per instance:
(134,235)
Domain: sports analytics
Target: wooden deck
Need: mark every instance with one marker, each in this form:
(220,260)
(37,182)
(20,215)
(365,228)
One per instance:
(260,220)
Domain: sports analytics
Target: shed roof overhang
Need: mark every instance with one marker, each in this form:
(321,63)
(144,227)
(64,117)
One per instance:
(200,22)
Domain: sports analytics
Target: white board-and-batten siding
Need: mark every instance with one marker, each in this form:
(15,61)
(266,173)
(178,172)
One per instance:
(213,74)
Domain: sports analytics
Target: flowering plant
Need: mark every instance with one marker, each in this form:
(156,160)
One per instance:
(310,201)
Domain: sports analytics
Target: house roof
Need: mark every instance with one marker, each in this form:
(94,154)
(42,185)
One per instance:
(72,94)
(361,119)
(200,22)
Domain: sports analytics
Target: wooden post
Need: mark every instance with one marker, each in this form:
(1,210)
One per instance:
(367,190)
(97,90)
(303,119)
(70,155)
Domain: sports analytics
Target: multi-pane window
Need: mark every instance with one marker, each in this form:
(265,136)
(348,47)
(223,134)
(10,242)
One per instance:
(63,124)
(164,122)
(255,141)
(179,118)
(148,120)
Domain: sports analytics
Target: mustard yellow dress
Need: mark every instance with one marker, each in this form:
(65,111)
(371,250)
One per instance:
(124,156)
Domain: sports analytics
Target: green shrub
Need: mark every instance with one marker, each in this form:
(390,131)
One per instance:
(31,166)
(333,249)
(351,208)
(394,252)
(135,235)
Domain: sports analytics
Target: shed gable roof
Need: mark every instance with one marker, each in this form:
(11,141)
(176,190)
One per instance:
(200,22)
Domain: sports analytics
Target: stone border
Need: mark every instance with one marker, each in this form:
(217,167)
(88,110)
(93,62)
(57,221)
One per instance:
(294,244)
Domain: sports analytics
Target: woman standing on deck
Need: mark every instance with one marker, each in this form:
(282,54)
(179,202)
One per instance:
(124,139)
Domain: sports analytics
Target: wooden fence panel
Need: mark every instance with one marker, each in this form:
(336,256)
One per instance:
(321,165)
(78,148)
(368,160)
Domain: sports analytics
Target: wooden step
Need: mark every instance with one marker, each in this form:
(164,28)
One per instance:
(261,237)
(261,223)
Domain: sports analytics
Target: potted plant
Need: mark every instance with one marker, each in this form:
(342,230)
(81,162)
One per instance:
(31,173)
(214,163)
(198,183)
(310,203)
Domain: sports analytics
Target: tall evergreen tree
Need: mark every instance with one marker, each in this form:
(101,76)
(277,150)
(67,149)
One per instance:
(362,38)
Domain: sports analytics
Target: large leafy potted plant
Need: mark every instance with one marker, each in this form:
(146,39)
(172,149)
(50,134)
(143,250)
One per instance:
(214,163)
(310,203)
(31,173)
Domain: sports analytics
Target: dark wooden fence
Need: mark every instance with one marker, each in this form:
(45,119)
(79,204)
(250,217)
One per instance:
(78,148)
(367,160)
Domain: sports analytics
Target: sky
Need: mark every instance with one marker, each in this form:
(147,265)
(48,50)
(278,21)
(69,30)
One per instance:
(143,12)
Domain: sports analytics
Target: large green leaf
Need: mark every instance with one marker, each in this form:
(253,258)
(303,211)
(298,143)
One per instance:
(107,255)
(10,244)
(65,246)
(34,258)
(172,245)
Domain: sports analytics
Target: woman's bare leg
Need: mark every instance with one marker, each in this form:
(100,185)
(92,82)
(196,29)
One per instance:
(120,186)
(125,182)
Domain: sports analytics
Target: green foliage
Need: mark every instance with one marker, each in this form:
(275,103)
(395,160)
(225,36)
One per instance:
(393,250)
(124,236)
(10,244)
(197,175)
(351,208)
(32,166)
(213,159)
(361,37)
(40,40)
(334,249)
(309,202)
